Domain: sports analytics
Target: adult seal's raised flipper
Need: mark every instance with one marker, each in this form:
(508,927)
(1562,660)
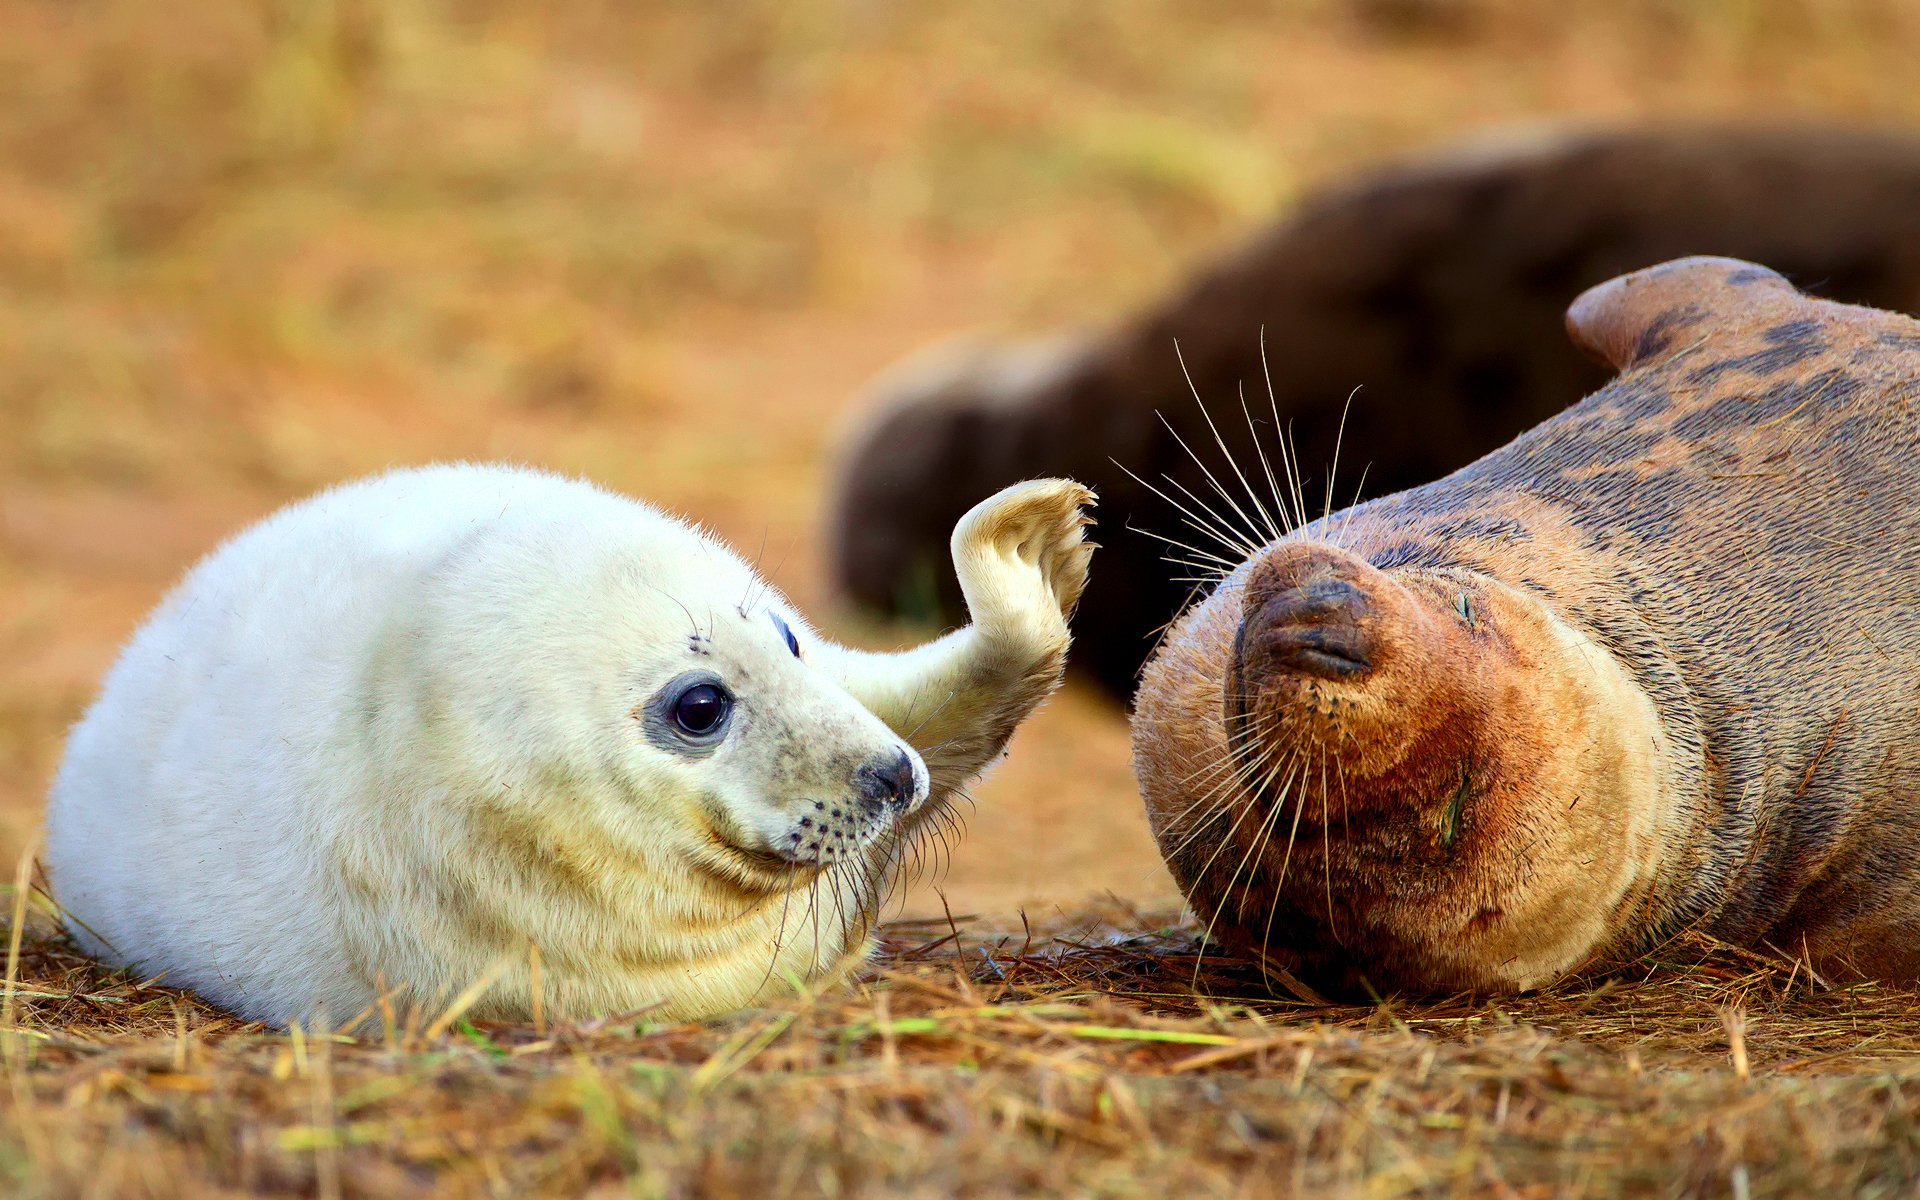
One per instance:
(392,739)
(1653,665)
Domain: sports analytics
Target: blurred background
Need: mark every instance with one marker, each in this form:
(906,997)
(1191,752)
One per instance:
(249,249)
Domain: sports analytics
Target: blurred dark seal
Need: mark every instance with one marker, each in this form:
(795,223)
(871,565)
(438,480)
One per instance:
(1436,286)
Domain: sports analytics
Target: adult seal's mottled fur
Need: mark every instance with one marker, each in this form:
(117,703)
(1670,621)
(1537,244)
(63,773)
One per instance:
(1654,665)
(1435,285)
(388,742)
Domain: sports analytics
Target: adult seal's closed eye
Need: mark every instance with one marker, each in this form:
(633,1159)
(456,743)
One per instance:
(393,738)
(1654,665)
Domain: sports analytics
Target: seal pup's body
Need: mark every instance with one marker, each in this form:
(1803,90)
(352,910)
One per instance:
(394,735)
(1654,665)
(1435,284)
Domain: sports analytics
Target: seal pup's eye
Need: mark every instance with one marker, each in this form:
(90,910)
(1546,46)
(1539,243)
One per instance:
(689,716)
(1463,604)
(701,709)
(793,643)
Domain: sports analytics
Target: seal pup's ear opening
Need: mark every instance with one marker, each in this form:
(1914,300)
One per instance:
(1643,317)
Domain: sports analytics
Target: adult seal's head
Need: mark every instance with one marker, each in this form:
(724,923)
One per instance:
(473,726)
(1650,666)
(1466,785)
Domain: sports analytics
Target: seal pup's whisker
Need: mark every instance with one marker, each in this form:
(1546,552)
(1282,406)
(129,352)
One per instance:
(693,626)
(910,857)
(1299,476)
(929,846)
(1326,860)
(753,579)
(1213,561)
(1213,817)
(1259,725)
(1210,568)
(1338,521)
(1220,780)
(1206,574)
(813,924)
(1273,908)
(780,931)
(949,829)
(1216,523)
(1346,823)
(952,825)
(1299,808)
(914,705)
(837,877)
(764,580)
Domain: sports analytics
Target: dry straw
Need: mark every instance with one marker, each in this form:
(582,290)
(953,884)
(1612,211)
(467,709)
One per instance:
(1083,1057)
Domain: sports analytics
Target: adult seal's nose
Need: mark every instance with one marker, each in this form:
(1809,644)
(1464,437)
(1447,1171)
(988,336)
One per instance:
(1310,611)
(887,784)
(1314,629)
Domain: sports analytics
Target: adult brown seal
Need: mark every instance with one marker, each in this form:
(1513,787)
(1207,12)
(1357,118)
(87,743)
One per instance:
(1435,284)
(1655,664)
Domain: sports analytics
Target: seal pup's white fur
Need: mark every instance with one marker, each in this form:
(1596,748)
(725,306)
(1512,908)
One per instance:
(390,737)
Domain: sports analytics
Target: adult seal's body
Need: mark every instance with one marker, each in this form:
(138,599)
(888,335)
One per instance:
(1433,284)
(1654,665)
(397,736)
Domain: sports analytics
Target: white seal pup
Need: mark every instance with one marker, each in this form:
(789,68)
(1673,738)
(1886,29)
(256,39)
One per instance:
(390,738)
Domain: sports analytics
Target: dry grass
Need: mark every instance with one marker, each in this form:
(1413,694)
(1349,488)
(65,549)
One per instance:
(1095,1057)
(248,247)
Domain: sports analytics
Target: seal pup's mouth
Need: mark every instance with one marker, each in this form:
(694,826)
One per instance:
(764,861)
(748,869)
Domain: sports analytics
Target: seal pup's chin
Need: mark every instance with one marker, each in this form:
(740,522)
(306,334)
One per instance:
(1413,779)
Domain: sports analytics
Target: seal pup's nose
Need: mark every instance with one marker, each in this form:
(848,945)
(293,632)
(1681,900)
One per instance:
(887,783)
(1308,611)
